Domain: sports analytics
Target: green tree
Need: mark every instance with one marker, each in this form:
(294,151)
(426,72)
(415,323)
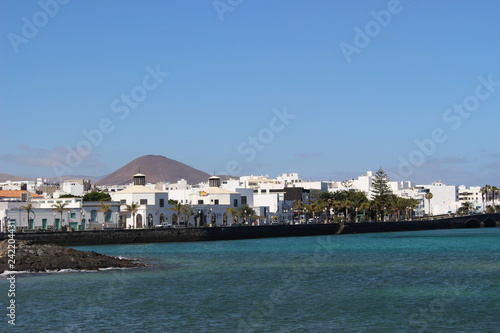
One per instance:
(96,196)
(132,210)
(60,207)
(314,208)
(494,191)
(364,207)
(466,208)
(381,192)
(246,211)
(485,193)
(29,210)
(410,206)
(187,211)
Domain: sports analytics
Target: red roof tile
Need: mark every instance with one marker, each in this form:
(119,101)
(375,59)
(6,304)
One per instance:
(16,194)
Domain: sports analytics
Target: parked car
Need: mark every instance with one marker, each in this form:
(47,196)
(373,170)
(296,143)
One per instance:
(164,225)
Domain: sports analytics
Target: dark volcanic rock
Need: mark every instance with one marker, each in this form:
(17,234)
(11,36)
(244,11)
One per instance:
(40,258)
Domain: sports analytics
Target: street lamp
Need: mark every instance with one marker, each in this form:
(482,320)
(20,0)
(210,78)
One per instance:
(82,218)
(7,219)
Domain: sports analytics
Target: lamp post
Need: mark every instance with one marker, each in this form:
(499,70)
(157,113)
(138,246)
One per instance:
(7,219)
(69,219)
(82,218)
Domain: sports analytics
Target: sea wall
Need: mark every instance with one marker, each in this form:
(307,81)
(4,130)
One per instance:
(96,237)
(175,235)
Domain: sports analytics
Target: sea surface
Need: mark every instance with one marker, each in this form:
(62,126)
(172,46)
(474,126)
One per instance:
(425,281)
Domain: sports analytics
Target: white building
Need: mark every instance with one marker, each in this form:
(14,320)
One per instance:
(26,185)
(77,187)
(76,214)
(444,198)
(153,207)
(474,195)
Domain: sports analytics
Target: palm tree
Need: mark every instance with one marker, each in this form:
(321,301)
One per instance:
(132,209)
(328,204)
(234,213)
(104,209)
(429,196)
(466,208)
(494,191)
(346,204)
(313,208)
(177,207)
(410,205)
(28,209)
(364,206)
(187,211)
(485,191)
(246,211)
(297,206)
(60,208)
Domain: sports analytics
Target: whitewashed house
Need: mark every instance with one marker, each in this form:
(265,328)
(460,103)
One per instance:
(153,207)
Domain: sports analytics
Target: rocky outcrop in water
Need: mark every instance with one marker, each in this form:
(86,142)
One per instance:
(40,258)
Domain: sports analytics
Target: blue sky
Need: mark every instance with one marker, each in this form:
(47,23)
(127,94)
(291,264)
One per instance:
(328,89)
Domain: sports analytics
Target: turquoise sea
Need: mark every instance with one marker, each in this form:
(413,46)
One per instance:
(425,281)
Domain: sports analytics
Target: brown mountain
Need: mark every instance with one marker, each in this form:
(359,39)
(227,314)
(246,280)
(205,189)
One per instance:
(157,168)
(4,177)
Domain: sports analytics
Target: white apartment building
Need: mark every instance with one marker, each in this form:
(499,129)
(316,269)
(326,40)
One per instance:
(444,198)
(77,187)
(27,185)
(474,195)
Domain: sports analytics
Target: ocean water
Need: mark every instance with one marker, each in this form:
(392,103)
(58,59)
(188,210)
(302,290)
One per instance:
(425,281)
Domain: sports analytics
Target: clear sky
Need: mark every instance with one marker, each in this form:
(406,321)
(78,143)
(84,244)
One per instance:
(328,89)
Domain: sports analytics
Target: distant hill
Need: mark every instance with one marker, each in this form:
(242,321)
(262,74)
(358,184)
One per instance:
(61,179)
(4,177)
(157,168)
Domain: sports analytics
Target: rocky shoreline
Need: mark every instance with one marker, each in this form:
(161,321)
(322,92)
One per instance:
(31,257)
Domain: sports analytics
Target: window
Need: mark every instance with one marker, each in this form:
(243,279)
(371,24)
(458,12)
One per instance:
(108,217)
(244,200)
(235,203)
(162,202)
(200,202)
(72,215)
(216,201)
(123,202)
(93,215)
(144,201)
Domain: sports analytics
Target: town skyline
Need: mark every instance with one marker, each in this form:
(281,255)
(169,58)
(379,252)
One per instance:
(327,90)
(141,163)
